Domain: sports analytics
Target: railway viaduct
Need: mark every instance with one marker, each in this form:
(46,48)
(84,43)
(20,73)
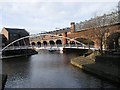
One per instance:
(88,35)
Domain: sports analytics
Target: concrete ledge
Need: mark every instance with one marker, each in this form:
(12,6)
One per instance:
(112,77)
(105,71)
(76,64)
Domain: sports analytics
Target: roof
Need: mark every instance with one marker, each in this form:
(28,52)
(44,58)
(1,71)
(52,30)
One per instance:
(16,30)
(59,31)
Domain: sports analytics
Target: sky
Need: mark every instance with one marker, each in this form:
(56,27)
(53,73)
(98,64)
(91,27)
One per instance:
(39,15)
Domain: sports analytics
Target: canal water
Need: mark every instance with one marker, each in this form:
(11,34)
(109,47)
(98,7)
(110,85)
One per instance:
(48,70)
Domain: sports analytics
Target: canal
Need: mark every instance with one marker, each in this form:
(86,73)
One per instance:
(48,70)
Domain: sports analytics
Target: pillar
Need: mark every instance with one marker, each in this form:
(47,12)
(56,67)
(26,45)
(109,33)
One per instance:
(64,40)
(72,27)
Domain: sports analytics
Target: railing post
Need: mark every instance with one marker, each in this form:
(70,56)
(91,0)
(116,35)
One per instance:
(13,46)
(69,45)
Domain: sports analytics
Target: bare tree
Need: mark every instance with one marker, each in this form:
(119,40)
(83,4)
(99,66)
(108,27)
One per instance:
(102,28)
(119,11)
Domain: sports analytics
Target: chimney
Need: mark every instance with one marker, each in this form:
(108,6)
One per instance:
(72,28)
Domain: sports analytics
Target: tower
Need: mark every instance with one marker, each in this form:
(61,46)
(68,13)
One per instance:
(64,34)
(72,28)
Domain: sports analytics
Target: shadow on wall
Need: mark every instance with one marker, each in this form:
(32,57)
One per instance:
(113,41)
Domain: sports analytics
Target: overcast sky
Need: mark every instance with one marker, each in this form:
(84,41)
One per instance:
(40,15)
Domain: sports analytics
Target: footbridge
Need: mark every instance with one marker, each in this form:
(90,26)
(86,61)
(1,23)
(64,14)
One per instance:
(56,46)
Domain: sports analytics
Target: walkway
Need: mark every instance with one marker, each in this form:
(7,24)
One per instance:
(103,70)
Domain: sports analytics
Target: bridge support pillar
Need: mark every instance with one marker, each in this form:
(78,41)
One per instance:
(64,39)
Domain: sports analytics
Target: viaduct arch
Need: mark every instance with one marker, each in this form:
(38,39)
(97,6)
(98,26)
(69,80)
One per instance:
(113,41)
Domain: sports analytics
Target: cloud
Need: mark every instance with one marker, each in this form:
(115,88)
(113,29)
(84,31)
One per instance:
(59,1)
(39,16)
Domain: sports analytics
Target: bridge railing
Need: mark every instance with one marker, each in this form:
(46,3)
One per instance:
(65,45)
(11,45)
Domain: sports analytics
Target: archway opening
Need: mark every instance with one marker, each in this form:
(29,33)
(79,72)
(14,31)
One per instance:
(113,41)
(59,43)
(39,44)
(33,43)
(52,43)
(44,43)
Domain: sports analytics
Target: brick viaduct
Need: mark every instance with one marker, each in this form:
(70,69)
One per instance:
(112,37)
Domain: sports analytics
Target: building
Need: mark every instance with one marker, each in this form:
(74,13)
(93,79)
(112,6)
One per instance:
(12,34)
(3,40)
(88,32)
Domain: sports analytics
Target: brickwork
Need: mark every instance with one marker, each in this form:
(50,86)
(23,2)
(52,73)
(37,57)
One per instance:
(87,34)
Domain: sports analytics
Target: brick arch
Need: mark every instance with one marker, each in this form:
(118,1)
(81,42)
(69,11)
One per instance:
(39,43)
(33,43)
(51,42)
(58,41)
(45,43)
(112,40)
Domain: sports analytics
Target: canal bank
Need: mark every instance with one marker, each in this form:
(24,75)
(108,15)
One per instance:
(105,67)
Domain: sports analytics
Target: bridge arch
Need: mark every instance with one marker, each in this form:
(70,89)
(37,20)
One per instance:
(45,43)
(39,43)
(113,41)
(58,42)
(33,43)
(52,43)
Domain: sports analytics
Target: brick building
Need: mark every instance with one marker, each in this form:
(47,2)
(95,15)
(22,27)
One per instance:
(87,32)
(12,34)
(3,41)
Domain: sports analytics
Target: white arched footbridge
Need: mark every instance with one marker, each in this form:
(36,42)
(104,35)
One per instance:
(11,45)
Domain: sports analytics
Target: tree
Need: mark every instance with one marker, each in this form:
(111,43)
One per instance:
(102,28)
(119,11)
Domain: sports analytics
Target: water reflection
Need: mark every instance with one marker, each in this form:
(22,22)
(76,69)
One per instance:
(48,70)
